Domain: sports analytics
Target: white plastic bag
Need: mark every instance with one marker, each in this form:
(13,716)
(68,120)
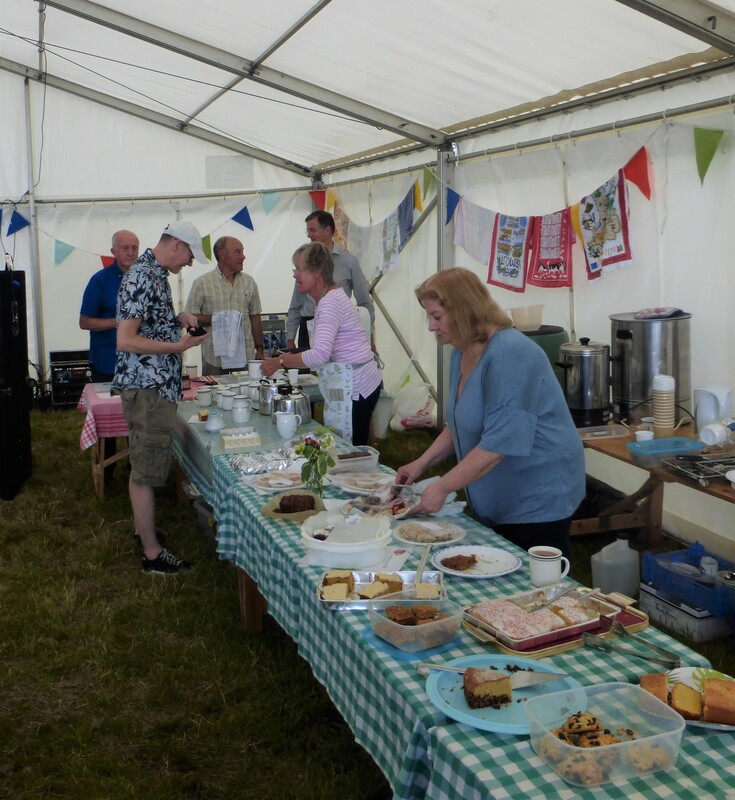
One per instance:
(413,405)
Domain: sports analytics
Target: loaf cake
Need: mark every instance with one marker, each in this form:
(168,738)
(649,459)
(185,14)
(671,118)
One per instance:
(335,591)
(395,584)
(719,701)
(340,576)
(426,591)
(687,701)
(657,685)
(372,590)
(484,688)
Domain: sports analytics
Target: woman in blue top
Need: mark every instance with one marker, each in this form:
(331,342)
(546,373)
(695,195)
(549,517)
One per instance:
(519,455)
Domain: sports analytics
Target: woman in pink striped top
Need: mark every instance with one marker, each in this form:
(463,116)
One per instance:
(338,338)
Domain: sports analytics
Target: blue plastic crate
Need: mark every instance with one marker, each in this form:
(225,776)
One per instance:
(716,598)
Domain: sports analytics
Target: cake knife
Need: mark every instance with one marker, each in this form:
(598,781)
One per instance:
(518,680)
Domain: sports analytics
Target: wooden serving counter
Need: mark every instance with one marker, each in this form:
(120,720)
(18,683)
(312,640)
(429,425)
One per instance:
(642,509)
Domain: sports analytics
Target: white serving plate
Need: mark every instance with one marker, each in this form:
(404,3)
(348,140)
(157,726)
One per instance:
(694,677)
(429,529)
(492,562)
(359,483)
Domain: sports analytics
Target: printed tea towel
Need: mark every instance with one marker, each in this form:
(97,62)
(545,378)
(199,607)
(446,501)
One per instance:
(509,252)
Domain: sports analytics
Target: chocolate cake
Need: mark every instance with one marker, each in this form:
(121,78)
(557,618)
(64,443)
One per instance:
(295,503)
(460,562)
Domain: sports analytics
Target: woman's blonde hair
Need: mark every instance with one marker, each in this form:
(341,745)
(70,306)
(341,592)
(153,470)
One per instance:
(316,258)
(467,301)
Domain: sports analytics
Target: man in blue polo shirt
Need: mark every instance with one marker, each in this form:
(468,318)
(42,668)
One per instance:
(97,316)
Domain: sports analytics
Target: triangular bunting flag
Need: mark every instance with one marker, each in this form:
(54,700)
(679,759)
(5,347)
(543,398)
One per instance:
(207,246)
(705,146)
(17,223)
(243,218)
(428,180)
(319,196)
(331,200)
(636,171)
(1,219)
(107,261)
(417,204)
(61,251)
(270,199)
(452,200)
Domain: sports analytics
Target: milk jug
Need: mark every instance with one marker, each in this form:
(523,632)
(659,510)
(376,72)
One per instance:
(616,569)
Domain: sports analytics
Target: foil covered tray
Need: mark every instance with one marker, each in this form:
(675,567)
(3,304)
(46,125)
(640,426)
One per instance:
(701,469)
(364,577)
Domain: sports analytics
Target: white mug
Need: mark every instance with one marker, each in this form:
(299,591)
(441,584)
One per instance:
(204,396)
(546,565)
(191,371)
(225,399)
(241,409)
(254,369)
(293,377)
(287,422)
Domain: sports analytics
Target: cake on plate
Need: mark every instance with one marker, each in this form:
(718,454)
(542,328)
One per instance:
(719,701)
(485,688)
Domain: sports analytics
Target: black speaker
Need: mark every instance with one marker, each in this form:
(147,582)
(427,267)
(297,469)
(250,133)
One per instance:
(15,393)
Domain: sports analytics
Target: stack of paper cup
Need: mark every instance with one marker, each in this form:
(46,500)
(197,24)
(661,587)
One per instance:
(664,406)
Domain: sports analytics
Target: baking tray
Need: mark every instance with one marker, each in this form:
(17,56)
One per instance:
(368,576)
(632,618)
(586,598)
(604,432)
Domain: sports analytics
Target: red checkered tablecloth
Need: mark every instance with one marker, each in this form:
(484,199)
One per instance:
(104,415)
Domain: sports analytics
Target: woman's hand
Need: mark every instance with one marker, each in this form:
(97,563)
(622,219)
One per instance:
(188,341)
(269,366)
(432,500)
(408,473)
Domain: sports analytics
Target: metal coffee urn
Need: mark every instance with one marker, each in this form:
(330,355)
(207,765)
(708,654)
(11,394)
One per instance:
(585,378)
(642,348)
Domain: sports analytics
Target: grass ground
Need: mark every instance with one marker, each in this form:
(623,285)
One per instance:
(116,684)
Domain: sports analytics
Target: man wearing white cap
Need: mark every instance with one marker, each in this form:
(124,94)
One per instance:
(148,376)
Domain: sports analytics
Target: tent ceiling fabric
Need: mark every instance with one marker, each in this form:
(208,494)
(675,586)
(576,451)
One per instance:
(334,79)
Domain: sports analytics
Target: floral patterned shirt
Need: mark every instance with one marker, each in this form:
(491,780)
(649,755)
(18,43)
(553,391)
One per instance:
(145,294)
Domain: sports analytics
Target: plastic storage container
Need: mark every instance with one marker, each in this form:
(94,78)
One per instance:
(616,569)
(348,545)
(358,459)
(413,638)
(722,432)
(620,707)
(677,574)
(649,454)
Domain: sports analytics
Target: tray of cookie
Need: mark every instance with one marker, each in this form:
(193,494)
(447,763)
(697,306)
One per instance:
(352,590)
(520,623)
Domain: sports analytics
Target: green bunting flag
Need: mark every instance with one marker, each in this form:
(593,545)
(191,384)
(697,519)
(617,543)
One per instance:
(428,180)
(705,146)
(61,251)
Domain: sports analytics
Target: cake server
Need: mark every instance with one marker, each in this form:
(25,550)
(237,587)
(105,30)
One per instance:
(518,680)
(591,640)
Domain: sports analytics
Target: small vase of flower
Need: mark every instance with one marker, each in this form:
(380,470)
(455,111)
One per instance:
(316,450)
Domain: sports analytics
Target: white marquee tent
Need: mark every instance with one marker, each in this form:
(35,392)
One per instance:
(129,114)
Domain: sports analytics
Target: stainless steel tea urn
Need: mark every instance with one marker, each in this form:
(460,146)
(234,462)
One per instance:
(584,374)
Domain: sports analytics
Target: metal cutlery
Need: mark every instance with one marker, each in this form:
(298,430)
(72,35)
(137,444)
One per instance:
(612,646)
(518,680)
(622,631)
(568,588)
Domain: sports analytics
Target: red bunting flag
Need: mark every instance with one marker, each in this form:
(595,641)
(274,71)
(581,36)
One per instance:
(319,196)
(107,261)
(636,171)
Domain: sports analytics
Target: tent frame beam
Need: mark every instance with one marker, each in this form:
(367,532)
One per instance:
(698,18)
(249,70)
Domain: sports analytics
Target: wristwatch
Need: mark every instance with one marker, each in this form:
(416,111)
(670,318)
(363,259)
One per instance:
(280,361)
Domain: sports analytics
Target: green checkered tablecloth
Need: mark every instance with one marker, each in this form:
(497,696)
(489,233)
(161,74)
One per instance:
(422,753)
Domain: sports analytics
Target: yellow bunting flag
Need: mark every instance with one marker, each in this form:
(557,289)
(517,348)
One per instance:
(207,246)
(331,199)
(417,204)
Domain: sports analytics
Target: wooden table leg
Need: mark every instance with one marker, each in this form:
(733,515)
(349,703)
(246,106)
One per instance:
(99,462)
(642,509)
(253,605)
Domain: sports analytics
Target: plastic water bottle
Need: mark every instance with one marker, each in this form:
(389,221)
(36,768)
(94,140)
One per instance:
(722,432)
(616,569)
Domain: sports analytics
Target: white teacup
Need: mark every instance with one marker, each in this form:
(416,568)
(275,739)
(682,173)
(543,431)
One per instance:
(286,423)
(254,369)
(546,565)
(643,436)
(293,377)
(204,396)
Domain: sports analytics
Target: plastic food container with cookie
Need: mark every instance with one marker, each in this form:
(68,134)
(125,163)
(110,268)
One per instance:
(412,624)
(352,590)
(356,542)
(519,623)
(608,732)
